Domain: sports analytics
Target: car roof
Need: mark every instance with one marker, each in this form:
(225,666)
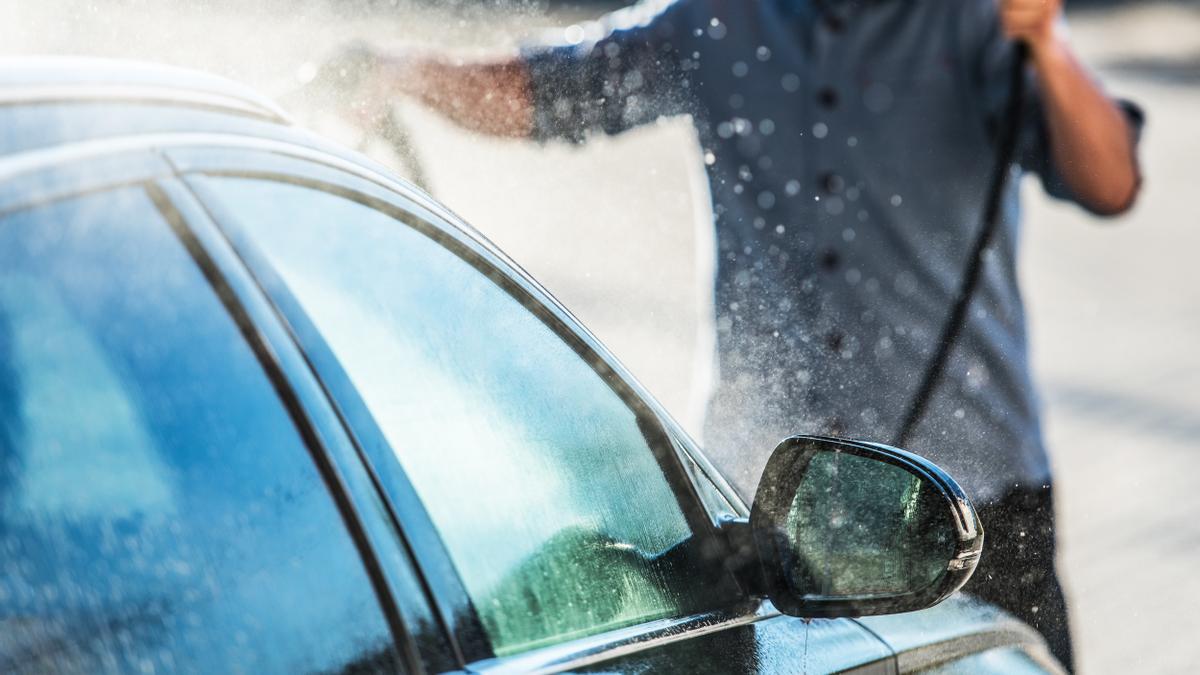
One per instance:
(59,79)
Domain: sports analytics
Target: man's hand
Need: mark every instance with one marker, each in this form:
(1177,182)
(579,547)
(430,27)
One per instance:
(1090,138)
(1031,21)
(489,96)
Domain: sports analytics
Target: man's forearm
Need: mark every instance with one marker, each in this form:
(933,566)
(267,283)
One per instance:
(1091,139)
(491,97)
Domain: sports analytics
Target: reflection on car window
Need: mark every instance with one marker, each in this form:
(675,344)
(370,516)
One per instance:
(158,510)
(537,474)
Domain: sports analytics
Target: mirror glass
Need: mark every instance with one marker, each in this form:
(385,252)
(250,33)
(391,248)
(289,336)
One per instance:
(861,527)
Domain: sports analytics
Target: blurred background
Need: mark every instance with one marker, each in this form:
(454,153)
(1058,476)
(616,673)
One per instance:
(618,230)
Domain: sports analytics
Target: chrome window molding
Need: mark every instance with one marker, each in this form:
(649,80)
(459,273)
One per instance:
(621,642)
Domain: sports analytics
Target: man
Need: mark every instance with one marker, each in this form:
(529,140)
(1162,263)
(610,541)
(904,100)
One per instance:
(849,145)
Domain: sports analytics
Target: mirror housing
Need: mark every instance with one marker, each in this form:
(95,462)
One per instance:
(847,528)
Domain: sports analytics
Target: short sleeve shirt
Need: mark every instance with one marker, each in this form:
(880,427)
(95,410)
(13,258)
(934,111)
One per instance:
(849,146)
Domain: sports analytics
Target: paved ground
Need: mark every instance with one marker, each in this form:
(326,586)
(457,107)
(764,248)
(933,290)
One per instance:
(1115,306)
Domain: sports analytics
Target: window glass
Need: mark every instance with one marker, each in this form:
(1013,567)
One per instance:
(538,475)
(158,510)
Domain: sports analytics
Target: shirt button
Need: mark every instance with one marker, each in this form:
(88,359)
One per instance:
(831,182)
(830,260)
(835,24)
(827,97)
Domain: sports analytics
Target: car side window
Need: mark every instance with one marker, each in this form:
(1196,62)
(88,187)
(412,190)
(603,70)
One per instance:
(545,484)
(158,508)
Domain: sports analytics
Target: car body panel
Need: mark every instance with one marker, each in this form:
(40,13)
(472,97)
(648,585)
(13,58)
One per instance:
(955,629)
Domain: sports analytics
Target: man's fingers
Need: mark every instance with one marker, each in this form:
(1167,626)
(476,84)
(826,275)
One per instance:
(1048,6)
(1024,15)
(1022,22)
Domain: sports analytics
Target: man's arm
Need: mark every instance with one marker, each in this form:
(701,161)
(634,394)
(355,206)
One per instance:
(1091,140)
(493,97)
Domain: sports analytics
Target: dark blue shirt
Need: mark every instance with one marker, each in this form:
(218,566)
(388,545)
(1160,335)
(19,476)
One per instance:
(848,146)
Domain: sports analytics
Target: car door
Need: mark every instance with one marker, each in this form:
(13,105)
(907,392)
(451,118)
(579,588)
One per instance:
(555,518)
(164,506)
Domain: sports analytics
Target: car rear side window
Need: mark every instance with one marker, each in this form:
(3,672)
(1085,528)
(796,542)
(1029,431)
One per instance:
(547,487)
(158,508)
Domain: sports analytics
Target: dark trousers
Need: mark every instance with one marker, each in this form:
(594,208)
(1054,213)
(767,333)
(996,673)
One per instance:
(1016,571)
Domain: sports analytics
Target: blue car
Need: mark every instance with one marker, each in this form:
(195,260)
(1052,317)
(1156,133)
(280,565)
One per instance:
(265,407)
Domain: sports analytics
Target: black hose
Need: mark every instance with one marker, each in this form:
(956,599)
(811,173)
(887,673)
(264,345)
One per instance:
(1010,136)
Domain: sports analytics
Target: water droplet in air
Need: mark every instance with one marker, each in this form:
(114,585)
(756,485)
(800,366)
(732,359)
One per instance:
(573,34)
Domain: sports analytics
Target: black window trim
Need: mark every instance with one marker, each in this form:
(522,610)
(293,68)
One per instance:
(299,392)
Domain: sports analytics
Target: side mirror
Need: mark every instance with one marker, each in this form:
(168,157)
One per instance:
(845,528)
